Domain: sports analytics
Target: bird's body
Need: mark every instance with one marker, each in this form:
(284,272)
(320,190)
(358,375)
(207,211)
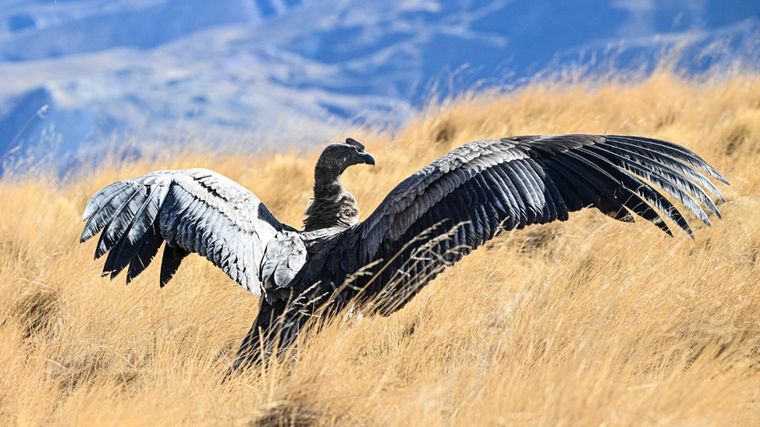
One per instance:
(429,221)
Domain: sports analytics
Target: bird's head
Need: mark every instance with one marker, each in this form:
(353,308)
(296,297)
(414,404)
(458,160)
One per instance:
(336,158)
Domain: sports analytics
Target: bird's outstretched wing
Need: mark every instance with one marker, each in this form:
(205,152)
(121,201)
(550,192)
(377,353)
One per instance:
(486,186)
(194,210)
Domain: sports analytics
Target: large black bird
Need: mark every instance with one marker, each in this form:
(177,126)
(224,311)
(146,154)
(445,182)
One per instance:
(429,221)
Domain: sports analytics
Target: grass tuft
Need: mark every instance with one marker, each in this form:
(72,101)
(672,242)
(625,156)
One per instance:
(587,322)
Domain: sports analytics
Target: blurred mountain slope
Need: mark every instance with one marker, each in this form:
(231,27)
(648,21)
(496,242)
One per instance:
(248,71)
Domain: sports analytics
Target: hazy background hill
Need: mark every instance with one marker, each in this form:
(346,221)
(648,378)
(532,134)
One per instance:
(257,71)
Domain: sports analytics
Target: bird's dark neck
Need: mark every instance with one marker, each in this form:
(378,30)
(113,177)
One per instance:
(332,205)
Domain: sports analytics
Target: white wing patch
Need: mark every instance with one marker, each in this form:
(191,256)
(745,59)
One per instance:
(196,210)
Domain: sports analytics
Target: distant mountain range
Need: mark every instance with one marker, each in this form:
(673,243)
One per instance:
(75,73)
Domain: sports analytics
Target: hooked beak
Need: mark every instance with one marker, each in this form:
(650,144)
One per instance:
(367,158)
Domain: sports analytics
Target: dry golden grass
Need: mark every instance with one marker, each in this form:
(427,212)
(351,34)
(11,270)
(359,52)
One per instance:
(584,323)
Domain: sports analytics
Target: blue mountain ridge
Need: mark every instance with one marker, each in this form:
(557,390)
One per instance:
(76,75)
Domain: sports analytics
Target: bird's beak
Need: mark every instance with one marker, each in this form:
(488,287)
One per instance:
(367,158)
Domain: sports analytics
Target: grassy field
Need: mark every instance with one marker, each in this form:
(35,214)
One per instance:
(590,322)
